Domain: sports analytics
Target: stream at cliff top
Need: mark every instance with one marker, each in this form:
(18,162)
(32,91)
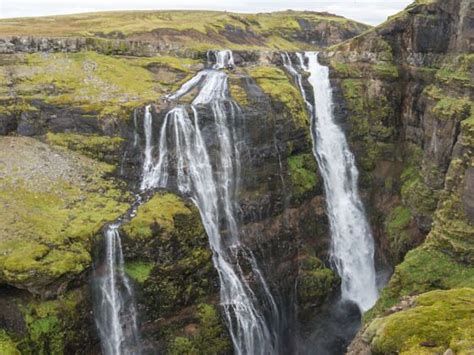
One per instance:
(183,162)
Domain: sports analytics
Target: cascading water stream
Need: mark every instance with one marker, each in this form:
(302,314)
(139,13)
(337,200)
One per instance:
(352,249)
(114,304)
(114,307)
(182,150)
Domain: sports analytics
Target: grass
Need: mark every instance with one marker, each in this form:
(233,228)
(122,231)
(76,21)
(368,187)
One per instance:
(97,83)
(198,30)
(94,146)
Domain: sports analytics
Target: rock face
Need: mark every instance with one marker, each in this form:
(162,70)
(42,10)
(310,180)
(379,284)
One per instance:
(405,90)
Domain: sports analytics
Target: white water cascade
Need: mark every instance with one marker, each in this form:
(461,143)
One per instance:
(183,159)
(115,311)
(352,249)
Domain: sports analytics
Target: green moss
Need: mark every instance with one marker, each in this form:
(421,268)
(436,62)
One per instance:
(442,319)
(452,108)
(370,121)
(457,71)
(48,222)
(345,70)
(139,271)
(279,88)
(94,146)
(7,345)
(386,70)
(452,231)
(397,224)
(304,179)
(238,93)
(51,325)
(416,195)
(98,83)
(182,346)
(423,270)
(315,284)
(211,336)
(158,213)
(170,253)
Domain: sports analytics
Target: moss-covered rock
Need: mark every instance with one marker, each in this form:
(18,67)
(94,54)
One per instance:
(208,336)
(278,86)
(57,326)
(101,84)
(156,215)
(315,284)
(397,225)
(422,270)
(7,345)
(438,320)
(54,202)
(103,148)
(167,252)
(302,172)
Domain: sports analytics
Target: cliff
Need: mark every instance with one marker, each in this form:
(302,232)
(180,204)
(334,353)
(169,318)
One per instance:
(406,93)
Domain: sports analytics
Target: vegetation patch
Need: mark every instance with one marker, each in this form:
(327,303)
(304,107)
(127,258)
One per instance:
(53,203)
(137,270)
(315,284)
(439,320)
(423,270)
(53,324)
(386,70)
(397,224)
(7,345)
(155,215)
(94,146)
(303,175)
(210,336)
(274,82)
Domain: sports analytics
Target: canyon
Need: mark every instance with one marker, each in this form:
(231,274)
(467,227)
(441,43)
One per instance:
(181,182)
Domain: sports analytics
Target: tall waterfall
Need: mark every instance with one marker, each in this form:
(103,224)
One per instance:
(183,161)
(114,307)
(352,245)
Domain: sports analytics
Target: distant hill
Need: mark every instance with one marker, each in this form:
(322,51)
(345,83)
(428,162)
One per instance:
(197,30)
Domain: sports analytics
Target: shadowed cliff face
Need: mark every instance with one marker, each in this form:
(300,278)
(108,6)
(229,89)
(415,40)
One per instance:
(405,90)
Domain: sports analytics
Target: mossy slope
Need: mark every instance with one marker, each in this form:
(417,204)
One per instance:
(54,202)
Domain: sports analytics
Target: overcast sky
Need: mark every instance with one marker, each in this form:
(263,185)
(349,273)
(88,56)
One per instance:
(368,11)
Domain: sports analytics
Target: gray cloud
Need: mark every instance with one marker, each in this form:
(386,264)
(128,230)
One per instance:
(368,11)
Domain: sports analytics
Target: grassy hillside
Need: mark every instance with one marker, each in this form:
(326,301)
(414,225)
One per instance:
(195,29)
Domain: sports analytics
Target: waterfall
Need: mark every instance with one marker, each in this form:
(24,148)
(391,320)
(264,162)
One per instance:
(182,153)
(114,307)
(352,245)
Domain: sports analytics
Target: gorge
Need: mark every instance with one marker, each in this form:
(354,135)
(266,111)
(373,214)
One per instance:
(185,182)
